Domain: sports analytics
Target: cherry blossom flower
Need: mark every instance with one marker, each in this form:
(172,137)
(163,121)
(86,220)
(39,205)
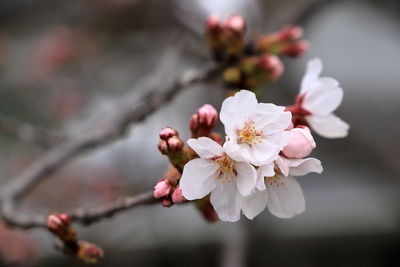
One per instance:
(229,181)
(318,98)
(255,131)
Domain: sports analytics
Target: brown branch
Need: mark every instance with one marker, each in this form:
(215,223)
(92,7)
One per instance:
(28,133)
(133,107)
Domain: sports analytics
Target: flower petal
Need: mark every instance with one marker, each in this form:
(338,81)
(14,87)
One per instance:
(270,118)
(285,201)
(198,178)
(323,97)
(246,178)
(226,202)
(299,167)
(254,204)
(314,69)
(205,147)
(283,165)
(329,126)
(263,171)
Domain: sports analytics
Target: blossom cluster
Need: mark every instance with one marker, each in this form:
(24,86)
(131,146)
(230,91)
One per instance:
(264,148)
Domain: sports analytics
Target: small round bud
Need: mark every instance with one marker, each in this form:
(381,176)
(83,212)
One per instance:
(163,147)
(168,132)
(194,123)
(272,65)
(175,144)
(296,49)
(213,25)
(236,24)
(207,116)
(162,189)
(290,33)
(301,143)
(58,222)
(177,196)
(89,253)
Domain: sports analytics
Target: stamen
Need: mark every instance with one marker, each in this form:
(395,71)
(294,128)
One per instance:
(249,134)
(226,171)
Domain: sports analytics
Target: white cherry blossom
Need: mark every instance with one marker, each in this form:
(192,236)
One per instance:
(255,131)
(318,98)
(215,172)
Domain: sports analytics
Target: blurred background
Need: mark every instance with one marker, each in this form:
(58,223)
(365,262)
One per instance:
(62,62)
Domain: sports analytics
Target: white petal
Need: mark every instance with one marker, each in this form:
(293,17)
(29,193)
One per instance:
(314,68)
(254,204)
(205,147)
(198,178)
(263,153)
(246,178)
(329,126)
(285,201)
(234,150)
(283,165)
(281,139)
(299,167)
(226,201)
(270,118)
(323,98)
(263,171)
(236,107)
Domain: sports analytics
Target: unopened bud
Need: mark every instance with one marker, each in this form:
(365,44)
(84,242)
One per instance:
(163,147)
(301,143)
(213,25)
(272,66)
(175,144)
(194,123)
(166,202)
(216,137)
(177,196)
(89,253)
(207,116)
(58,222)
(236,24)
(290,33)
(162,189)
(296,49)
(168,132)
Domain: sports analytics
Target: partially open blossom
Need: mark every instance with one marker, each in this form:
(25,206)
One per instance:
(177,196)
(89,253)
(318,98)
(301,143)
(215,172)
(255,131)
(162,188)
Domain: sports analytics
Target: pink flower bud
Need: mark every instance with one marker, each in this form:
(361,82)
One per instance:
(301,143)
(162,189)
(163,147)
(216,137)
(272,65)
(296,49)
(175,144)
(194,124)
(58,222)
(236,24)
(290,33)
(166,202)
(168,132)
(177,196)
(213,25)
(207,116)
(89,253)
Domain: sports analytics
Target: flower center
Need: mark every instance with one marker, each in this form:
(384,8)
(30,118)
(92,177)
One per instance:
(249,135)
(276,179)
(226,170)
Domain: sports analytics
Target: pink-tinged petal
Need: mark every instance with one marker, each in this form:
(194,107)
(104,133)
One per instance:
(263,171)
(246,178)
(283,165)
(314,69)
(205,147)
(226,201)
(299,167)
(329,126)
(198,178)
(287,200)
(254,204)
(235,108)
(322,98)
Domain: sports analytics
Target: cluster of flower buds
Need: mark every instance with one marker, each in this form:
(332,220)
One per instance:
(169,192)
(60,225)
(284,42)
(252,64)
(173,147)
